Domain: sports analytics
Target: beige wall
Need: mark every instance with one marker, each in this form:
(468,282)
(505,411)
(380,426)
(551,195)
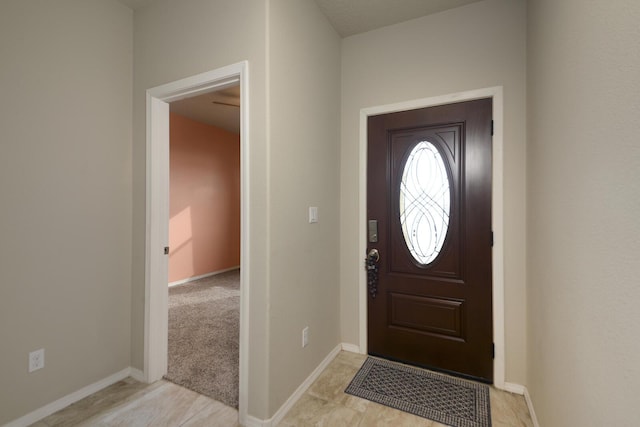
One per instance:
(65,185)
(583,162)
(204,208)
(68,240)
(304,103)
(219,33)
(294,165)
(471,47)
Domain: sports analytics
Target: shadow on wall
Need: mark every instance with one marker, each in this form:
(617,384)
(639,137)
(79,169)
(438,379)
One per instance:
(204,209)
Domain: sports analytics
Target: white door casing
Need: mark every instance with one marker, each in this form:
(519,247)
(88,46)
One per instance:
(497,211)
(157,216)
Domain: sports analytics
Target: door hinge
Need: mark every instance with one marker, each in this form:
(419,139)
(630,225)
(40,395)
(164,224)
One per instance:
(492,238)
(493,350)
(491,127)
(166,250)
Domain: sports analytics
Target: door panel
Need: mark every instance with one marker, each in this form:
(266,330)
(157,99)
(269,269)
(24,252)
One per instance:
(447,263)
(433,302)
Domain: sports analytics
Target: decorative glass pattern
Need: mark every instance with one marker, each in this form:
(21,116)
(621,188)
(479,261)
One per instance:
(425,202)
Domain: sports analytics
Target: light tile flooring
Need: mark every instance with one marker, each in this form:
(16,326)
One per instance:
(130,403)
(326,404)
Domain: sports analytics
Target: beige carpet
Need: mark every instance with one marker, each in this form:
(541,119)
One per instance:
(204,325)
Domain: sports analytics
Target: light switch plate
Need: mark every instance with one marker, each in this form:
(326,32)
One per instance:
(313,214)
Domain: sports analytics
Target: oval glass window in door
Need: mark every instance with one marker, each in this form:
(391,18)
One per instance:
(425,202)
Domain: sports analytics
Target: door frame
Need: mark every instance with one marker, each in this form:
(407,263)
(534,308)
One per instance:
(497,211)
(157,216)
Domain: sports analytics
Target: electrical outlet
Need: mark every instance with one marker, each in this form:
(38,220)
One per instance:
(36,360)
(305,336)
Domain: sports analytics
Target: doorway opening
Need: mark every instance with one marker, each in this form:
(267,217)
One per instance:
(158,216)
(204,244)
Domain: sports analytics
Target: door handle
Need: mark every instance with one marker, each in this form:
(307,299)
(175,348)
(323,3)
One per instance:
(371,264)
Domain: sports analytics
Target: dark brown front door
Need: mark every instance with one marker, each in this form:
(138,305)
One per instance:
(429,189)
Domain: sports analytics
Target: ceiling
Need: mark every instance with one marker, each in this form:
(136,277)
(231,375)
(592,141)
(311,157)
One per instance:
(348,17)
(220,109)
(351,17)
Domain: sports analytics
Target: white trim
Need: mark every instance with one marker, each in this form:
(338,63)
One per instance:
(137,375)
(296,395)
(286,407)
(157,216)
(157,237)
(63,402)
(350,347)
(532,412)
(251,421)
(497,210)
(523,391)
(514,388)
(202,276)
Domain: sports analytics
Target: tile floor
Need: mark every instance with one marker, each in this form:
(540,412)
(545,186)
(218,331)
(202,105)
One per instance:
(326,404)
(130,403)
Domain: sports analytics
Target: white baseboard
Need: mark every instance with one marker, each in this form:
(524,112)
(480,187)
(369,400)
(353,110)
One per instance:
(202,276)
(137,375)
(280,413)
(350,347)
(286,407)
(256,422)
(67,400)
(513,388)
(532,412)
(251,421)
(522,390)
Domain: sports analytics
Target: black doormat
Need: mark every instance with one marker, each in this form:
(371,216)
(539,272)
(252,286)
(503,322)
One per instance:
(447,400)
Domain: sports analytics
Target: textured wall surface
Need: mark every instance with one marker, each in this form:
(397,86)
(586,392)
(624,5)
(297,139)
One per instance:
(583,248)
(294,87)
(65,185)
(178,39)
(72,183)
(471,47)
(204,211)
(304,85)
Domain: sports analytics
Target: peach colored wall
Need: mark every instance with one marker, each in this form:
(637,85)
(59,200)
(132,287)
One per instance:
(204,212)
